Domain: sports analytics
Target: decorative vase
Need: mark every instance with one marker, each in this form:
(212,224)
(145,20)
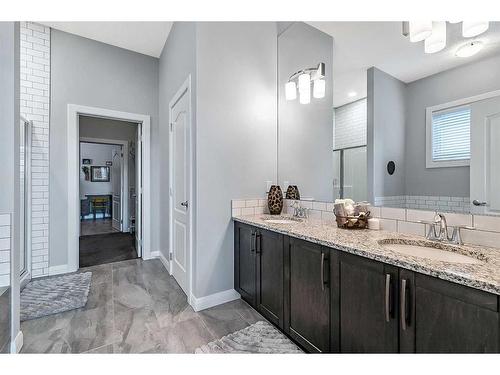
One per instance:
(275,200)
(292,192)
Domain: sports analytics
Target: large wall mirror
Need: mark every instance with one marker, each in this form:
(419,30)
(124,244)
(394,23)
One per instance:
(401,123)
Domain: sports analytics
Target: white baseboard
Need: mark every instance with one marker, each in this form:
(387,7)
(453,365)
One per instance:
(17,344)
(57,270)
(212,300)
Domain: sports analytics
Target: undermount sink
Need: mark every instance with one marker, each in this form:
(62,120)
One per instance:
(281,220)
(430,250)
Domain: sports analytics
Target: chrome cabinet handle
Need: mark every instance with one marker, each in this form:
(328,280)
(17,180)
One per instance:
(403,304)
(475,202)
(258,245)
(323,281)
(387,297)
(252,241)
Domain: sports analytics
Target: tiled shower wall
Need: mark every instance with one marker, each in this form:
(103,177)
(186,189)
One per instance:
(486,230)
(4,250)
(426,202)
(35,106)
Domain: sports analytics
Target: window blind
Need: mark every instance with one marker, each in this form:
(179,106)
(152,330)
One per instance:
(451,134)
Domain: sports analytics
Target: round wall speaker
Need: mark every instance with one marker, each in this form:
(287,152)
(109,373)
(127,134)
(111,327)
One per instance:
(391,167)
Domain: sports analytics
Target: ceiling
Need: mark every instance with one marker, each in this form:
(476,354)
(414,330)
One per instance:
(361,45)
(147,38)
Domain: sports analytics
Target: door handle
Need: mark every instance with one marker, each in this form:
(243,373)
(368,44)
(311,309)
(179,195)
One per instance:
(184,204)
(258,244)
(475,202)
(323,281)
(252,241)
(387,297)
(403,310)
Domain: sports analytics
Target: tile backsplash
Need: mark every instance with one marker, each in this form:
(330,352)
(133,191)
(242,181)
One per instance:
(485,232)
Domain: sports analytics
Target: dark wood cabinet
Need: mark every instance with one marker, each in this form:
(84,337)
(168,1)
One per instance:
(245,272)
(307,294)
(269,256)
(327,300)
(450,318)
(368,308)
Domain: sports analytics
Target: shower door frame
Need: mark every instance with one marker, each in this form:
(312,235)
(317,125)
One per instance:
(341,167)
(25,272)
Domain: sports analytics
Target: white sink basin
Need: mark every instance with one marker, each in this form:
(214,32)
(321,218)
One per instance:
(279,221)
(432,252)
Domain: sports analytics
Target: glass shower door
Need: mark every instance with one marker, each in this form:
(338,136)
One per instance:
(350,173)
(24,196)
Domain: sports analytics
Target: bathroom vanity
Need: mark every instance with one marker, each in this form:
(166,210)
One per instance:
(333,290)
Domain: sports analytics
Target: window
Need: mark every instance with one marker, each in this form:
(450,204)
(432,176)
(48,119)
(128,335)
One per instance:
(449,138)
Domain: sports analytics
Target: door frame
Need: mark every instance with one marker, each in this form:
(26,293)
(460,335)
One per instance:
(184,88)
(25,276)
(124,174)
(73,199)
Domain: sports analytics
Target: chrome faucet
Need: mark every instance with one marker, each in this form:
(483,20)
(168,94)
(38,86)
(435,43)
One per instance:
(442,235)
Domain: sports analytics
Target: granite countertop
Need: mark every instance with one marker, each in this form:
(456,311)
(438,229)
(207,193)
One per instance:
(364,242)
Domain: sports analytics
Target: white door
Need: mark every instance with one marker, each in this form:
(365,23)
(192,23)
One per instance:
(485,157)
(116,184)
(179,185)
(138,193)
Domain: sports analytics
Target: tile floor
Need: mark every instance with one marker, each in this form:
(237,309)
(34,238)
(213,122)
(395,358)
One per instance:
(98,226)
(134,306)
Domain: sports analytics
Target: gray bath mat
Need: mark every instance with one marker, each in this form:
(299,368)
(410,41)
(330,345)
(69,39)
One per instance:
(260,337)
(54,295)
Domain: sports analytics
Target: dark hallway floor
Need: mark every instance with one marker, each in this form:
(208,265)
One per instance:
(106,248)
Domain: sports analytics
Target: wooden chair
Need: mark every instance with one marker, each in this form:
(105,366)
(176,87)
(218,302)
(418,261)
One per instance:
(100,205)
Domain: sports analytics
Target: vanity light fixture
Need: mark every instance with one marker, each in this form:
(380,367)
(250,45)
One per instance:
(437,40)
(419,30)
(469,49)
(302,80)
(291,91)
(473,28)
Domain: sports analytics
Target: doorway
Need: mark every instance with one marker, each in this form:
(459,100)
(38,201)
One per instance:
(107,185)
(180,189)
(140,225)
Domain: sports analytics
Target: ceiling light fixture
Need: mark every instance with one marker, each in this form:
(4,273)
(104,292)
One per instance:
(302,80)
(437,40)
(469,49)
(419,30)
(473,28)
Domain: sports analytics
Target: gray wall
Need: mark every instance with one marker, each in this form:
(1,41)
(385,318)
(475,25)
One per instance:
(464,81)
(9,154)
(385,134)
(177,62)
(94,127)
(235,136)
(87,72)
(305,131)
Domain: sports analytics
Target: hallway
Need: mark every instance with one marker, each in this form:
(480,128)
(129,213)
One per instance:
(106,248)
(134,306)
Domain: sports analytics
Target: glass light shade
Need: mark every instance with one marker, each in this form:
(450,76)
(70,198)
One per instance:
(419,30)
(305,82)
(473,28)
(319,88)
(305,95)
(290,91)
(469,49)
(437,40)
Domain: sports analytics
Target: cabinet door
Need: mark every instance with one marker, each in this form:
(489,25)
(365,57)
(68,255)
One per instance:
(244,262)
(307,295)
(270,275)
(452,318)
(368,308)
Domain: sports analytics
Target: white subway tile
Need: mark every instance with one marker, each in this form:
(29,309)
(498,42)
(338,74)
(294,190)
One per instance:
(478,237)
(248,211)
(388,224)
(419,215)
(393,213)
(411,228)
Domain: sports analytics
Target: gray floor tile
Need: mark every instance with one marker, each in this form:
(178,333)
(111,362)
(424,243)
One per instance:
(186,336)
